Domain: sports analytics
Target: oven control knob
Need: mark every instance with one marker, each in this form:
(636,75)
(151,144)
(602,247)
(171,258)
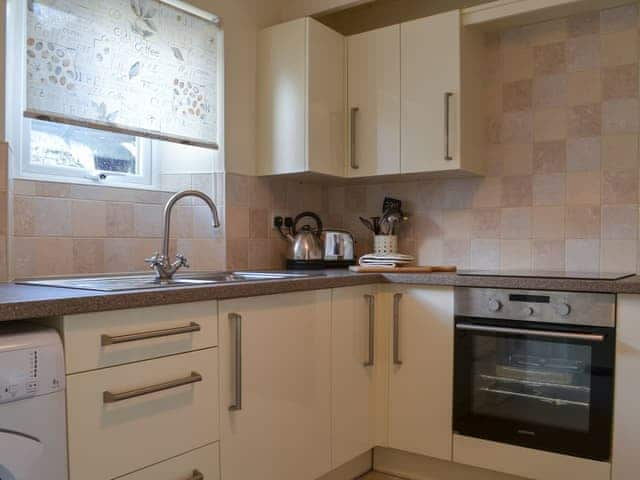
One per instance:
(529,311)
(563,309)
(494,305)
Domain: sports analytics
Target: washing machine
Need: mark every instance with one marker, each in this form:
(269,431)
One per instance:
(33,437)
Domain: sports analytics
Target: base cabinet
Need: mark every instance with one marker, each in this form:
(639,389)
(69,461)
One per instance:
(276,394)
(421,370)
(353,372)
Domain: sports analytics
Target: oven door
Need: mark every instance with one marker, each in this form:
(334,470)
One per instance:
(542,386)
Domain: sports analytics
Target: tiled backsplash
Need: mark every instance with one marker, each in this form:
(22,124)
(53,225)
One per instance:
(4,210)
(62,229)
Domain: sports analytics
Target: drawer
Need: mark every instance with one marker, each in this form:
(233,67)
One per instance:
(200,464)
(98,340)
(111,435)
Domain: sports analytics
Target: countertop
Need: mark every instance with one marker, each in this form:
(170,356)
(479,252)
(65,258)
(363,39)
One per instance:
(23,301)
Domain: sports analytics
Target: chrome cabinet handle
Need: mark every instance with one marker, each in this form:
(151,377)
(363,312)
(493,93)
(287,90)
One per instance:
(587,337)
(196,475)
(447,132)
(237,403)
(106,340)
(396,329)
(372,315)
(354,160)
(110,397)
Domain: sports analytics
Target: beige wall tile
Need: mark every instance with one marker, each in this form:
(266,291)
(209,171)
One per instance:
(181,222)
(517,191)
(429,251)
(204,254)
(237,222)
(517,159)
(516,37)
(237,190)
(4,260)
(620,116)
(456,223)
(620,82)
(120,219)
(485,254)
(620,48)
(88,255)
(488,193)
(3,214)
(583,53)
(516,128)
(550,90)
(147,220)
(584,88)
(619,255)
(583,154)
(260,192)
(619,18)
(516,223)
(515,255)
(355,197)
(88,218)
(582,255)
(549,189)
(583,188)
(583,24)
(549,157)
(583,222)
(549,59)
(620,152)
(238,254)
(42,256)
(585,120)
(486,223)
(202,223)
(42,216)
(620,186)
(259,253)
(548,222)
(619,222)
(258,223)
(550,124)
(456,252)
(517,63)
(548,255)
(552,31)
(517,96)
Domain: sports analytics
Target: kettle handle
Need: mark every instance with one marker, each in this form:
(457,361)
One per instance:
(318,230)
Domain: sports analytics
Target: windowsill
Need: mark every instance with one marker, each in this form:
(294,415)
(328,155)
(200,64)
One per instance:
(32,177)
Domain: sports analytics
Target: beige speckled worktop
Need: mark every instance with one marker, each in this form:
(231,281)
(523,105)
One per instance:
(24,302)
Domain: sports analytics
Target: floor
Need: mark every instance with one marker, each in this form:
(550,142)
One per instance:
(378,476)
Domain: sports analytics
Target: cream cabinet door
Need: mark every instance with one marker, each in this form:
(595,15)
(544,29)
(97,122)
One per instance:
(373,72)
(275,370)
(626,429)
(421,371)
(353,372)
(431,79)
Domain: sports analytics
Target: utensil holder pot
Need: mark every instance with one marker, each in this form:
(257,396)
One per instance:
(385,244)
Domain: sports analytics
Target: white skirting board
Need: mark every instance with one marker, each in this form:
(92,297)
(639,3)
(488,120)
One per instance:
(350,470)
(416,467)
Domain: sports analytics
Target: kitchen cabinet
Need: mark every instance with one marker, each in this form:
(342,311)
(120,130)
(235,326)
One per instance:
(353,372)
(421,370)
(373,92)
(626,428)
(443,115)
(275,386)
(301,99)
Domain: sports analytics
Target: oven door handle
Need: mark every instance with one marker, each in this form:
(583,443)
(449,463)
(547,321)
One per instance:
(586,337)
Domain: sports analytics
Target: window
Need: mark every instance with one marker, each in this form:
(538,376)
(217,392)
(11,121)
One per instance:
(105,82)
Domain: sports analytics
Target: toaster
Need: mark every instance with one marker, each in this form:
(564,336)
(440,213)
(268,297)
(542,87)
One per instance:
(338,246)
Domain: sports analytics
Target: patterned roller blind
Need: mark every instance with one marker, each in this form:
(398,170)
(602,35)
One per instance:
(140,67)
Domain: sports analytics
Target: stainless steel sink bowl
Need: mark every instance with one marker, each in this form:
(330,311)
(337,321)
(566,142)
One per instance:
(144,282)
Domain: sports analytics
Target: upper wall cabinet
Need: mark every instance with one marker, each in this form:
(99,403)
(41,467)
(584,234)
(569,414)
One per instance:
(301,99)
(373,71)
(442,85)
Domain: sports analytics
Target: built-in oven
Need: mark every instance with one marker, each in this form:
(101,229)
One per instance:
(535,369)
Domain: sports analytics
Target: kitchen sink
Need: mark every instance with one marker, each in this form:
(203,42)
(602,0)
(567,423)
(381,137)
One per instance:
(144,282)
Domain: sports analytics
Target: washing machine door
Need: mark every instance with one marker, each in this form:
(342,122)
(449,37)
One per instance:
(18,454)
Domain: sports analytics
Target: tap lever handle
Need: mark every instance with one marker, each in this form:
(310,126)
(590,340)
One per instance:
(182,261)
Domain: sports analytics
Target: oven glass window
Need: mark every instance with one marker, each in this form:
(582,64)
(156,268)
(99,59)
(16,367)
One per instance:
(532,381)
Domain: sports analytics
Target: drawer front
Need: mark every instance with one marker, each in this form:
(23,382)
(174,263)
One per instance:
(124,418)
(105,339)
(200,464)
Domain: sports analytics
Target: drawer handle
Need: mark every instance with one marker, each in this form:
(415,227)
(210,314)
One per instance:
(134,337)
(354,159)
(447,127)
(110,397)
(237,372)
(372,336)
(396,329)
(196,475)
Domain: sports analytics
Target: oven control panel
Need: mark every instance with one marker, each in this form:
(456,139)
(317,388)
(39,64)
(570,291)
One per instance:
(595,309)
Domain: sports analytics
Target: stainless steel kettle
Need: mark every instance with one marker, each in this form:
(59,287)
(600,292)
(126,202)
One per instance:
(305,242)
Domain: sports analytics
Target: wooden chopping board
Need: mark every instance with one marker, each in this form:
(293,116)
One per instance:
(419,269)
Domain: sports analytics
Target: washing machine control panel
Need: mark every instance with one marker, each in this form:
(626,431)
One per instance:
(29,372)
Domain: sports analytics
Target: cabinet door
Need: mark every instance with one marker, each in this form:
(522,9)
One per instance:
(373,74)
(353,368)
(279,428)
(626,429)
(430,93)
(421,373)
